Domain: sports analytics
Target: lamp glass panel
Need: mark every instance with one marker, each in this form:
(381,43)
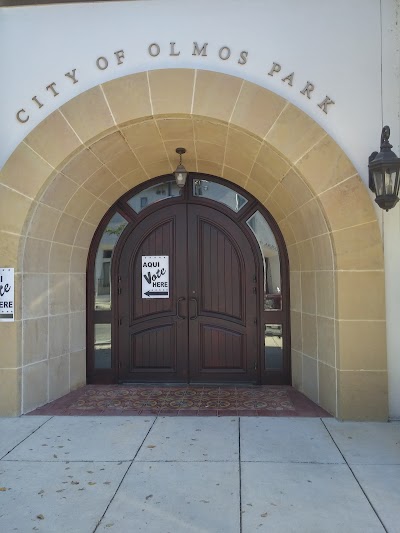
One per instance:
(271,260)
(219,193)
(379,182)
(390,176)
(397,182)
(102,270)
(155,193)
(180,178)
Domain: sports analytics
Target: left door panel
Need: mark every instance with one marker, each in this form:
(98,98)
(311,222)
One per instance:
(153,332)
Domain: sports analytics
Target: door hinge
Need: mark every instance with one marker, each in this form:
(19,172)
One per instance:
(119,364)
(254,290)
(254,279)
(255,321)
(255,365)
(120,321)
(119,285)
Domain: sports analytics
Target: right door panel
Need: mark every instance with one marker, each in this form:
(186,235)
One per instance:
(223,338)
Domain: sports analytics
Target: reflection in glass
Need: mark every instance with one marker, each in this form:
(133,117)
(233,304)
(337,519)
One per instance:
(102,345)
(219,193)
(155,193)
(102,271)
(272,265)
(273,350)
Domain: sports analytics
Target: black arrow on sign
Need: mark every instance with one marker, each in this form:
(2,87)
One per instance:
(159,293)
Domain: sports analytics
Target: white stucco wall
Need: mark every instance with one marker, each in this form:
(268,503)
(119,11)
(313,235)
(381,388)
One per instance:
(391,221)
(337,45)
(334,45)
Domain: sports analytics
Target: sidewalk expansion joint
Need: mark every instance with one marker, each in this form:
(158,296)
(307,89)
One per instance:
(27,437)
(124,476)
(356,479)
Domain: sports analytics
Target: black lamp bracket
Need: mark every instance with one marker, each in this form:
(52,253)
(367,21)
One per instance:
(180,151)
(385,144)
(371,182)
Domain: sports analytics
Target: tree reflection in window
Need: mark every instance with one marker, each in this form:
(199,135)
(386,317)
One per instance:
(155,193)
(272,265)
(219,193)
(102,271)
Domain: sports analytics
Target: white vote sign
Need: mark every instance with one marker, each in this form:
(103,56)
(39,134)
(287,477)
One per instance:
(155,276)
(6,295)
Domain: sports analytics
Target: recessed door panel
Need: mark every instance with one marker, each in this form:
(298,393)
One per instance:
(220,289)
(154,349)
(221,349)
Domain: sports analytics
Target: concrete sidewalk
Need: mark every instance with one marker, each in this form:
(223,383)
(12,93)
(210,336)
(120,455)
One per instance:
(204,474)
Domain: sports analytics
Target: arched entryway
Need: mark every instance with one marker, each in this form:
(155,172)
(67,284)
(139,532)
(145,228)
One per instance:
(61,180)
(188,285)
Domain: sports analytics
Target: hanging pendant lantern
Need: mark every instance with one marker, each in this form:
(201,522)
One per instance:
(180,172)
(384,173)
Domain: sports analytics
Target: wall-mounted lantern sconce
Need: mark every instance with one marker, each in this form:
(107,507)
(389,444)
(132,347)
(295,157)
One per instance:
(180,172)
(384,173)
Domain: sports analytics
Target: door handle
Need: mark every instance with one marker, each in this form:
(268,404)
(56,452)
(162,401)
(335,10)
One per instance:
(196,309)
(181,299)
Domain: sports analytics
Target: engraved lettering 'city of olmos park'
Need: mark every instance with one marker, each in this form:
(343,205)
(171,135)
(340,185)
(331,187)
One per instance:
(154,50)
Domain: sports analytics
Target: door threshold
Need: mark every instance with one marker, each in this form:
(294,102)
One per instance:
(186,384)
(153,384)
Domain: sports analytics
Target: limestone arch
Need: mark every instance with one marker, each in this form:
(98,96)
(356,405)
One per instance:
(66,173)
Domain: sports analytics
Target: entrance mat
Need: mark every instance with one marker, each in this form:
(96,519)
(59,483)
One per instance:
(184,400)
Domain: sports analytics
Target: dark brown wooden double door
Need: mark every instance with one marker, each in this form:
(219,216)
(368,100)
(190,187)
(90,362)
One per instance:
(206,330)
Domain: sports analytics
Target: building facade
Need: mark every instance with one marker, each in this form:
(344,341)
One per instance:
(278,105)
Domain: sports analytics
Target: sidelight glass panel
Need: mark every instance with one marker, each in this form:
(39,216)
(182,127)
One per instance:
(219,193)
(155,193)
(271,260)
(102,345)
(102,271)
(273,348)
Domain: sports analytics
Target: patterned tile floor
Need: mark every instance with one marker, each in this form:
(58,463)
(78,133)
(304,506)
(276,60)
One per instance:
(187,400)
